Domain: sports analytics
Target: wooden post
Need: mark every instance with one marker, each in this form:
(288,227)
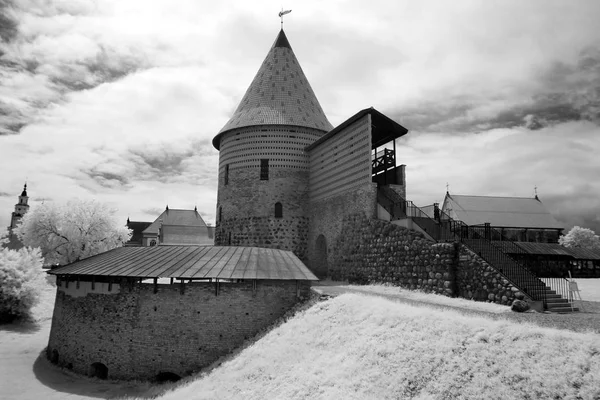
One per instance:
(216,286)
(77,283)
(181,286)
(155,285)
(93,283)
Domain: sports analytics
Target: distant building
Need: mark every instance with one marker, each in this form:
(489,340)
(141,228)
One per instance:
(138,228)
(172,227)
(20,209)
(523,219)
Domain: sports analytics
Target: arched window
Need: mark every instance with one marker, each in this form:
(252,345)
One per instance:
(278,210)
(153,242)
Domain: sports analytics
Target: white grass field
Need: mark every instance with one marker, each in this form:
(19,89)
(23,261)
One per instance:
(364,347)
(355,346)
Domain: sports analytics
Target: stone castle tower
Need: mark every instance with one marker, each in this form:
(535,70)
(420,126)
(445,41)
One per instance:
(263,167)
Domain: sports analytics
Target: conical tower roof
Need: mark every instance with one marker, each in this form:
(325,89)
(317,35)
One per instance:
(279,95)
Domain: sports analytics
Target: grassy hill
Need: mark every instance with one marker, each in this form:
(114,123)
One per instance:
(364,347)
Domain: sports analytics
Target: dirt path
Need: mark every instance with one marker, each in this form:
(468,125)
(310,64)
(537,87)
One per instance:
(27,376)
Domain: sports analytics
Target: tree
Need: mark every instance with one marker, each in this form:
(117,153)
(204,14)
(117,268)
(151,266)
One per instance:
(21,279)
(71,232)
(580,237)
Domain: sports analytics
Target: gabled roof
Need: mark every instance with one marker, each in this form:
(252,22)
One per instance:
(383,128)
(278,95)
(137,227)
(505,212)
(192,262)
(176,217)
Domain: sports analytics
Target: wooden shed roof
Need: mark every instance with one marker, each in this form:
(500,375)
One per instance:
(192,262)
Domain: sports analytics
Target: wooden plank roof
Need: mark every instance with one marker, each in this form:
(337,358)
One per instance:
(192,262)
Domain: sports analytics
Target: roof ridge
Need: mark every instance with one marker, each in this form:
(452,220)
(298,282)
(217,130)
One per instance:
(495,197)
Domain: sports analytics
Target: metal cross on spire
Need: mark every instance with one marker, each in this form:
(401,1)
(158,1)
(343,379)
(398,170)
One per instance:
(282,13)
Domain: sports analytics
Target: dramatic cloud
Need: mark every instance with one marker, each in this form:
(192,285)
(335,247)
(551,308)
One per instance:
(118,100)
(561,161)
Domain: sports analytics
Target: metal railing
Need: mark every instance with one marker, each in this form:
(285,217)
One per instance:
(559,285)
(478,238)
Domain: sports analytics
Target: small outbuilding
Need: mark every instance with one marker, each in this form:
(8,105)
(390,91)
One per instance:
(167,311)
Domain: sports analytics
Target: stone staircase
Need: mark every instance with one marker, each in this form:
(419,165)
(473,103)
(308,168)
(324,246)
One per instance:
(494,253)
(556,303)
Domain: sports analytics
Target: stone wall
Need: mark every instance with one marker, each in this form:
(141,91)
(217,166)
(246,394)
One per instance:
(287,233)
(326,220)
(138,334)
(246,210)
(477,280)
(373,251)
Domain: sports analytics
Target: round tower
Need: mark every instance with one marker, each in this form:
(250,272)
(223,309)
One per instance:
(263,170)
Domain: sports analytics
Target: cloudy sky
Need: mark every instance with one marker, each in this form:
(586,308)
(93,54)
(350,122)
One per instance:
(118,100)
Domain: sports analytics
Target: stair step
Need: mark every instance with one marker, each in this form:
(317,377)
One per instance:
(555,300)
(558,305)
(564,309)
(553,296)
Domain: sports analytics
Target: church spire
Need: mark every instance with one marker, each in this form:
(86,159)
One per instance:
(278,95)
(20,208)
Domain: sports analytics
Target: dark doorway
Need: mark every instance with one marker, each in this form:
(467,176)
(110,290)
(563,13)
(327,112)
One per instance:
(164,377)
(321,267)
(98,370)
(54,356)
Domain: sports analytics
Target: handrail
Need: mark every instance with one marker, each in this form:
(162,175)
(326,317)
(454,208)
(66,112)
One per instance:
(477,238)
(559,285)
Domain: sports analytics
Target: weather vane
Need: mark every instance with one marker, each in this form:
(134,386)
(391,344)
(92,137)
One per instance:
(282,13)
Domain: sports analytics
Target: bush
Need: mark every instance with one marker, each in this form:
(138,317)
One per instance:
(20,281)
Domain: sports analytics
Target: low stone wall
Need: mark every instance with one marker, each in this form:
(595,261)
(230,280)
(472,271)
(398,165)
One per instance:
(138,334)
(374,251)
(477,280)
(289,233)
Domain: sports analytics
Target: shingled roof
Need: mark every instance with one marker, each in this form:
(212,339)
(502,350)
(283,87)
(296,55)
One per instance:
(176,217)
(279,95)
(192,262)
(513,212)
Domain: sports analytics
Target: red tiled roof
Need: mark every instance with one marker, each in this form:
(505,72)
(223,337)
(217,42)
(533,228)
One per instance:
(192,262)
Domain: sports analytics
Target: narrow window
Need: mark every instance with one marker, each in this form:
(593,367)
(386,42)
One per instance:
(264,169)
(226,174)
(220,213)
(278,210)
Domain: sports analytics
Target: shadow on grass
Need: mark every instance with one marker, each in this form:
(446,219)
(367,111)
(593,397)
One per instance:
(68,382)
(26,327)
